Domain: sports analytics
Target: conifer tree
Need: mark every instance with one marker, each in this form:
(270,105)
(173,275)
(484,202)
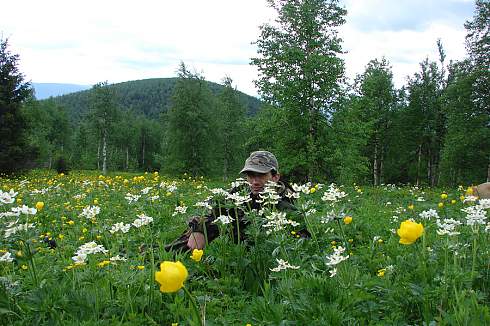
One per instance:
(14,151)
(189,126)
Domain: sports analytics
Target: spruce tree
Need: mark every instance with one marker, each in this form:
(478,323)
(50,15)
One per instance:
(14,151)
(189,127)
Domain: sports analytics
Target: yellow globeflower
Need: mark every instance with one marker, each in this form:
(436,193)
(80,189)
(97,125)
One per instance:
(171,276)
(410,206)
(410,231)
(381,272)
(197,254)
(440,205)
(39,205)
(312,190)
(348,220)
(443,196)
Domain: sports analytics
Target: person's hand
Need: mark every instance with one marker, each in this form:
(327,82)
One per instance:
(196,241)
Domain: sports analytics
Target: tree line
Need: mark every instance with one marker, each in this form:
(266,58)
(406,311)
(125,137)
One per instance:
(435,130)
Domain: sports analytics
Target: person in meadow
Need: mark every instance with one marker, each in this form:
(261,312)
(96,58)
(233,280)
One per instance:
(260,168)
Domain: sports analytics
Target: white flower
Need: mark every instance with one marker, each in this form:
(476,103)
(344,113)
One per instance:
(90,212)
(282,265)
(428,214)
(117,258)
(179,210)
(224,219)
(124,228)
(447,226)
(238,199)
(132,198)
(6,258)
(302,188)
(80,196)
(15,229)
(277,221)
(91,248)
(24,210)
(475,215)
(238,182)
(333,194)
(79,259)
(146,190)
(203,204)
(333,272)
(336,257)
(7,197)
(420,199)
(219,192)
(142,220)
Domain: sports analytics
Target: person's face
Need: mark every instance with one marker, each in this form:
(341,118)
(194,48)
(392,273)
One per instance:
(257,180)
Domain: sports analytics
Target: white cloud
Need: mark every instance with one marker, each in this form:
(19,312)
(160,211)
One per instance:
(89,41)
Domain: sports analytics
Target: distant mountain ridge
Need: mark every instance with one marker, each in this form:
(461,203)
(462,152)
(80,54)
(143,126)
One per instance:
(147,96)
(47,90)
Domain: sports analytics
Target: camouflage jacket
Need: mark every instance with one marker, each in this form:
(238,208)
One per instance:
(207,225)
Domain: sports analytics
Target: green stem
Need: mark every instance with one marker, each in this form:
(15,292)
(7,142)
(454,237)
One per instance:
(194,306)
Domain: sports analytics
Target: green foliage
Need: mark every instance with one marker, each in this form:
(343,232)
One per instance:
(148,97)
(14,149)
(438,279)
(189,128)
(467,143)
(300,71)
(231,129)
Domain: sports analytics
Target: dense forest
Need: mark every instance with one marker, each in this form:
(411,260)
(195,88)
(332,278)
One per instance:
(435,130)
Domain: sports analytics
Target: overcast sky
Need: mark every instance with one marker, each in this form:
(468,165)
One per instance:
(85,42)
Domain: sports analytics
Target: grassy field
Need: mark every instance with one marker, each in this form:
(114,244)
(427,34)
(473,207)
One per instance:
(83,249)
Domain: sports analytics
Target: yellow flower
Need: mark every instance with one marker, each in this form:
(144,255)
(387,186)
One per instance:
(381,272)
(410,231)
(19,200)
(348,220)
(453,201)
(104,263)
(84,230)
(443,196)
(461,197)
(175,324)
(61,236)
(19,253)
(350,240)
(39,205)
(71,222)
(197,254)
(171,276)
(140,267)
(469,191)
(440,205)
(380,240)
(312,190)
(24,267)
(410,206)
(96,201)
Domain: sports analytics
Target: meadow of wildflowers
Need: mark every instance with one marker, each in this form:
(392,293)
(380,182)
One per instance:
(89,249)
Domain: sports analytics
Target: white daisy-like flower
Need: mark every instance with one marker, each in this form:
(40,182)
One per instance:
(282,265)
(224,219)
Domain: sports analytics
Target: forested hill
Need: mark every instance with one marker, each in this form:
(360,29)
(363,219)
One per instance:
(147,96)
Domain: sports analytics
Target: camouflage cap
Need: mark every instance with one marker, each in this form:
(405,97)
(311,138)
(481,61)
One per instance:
(261,162)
